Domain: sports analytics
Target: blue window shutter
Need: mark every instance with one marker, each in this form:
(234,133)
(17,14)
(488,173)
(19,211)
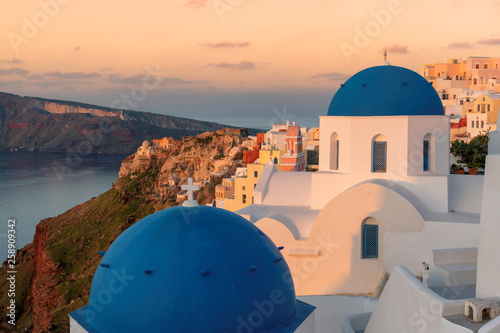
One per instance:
(426,155)
(370,241)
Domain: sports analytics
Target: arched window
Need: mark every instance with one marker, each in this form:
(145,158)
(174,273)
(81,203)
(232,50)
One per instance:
(428,152)
(334,151)
(370,238)
(379,157)
(474,81)
(481,80)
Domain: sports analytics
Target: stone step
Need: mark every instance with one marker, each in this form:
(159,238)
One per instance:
(453,256)
(458,275)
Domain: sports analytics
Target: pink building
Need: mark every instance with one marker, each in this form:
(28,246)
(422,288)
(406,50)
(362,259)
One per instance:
(294,159)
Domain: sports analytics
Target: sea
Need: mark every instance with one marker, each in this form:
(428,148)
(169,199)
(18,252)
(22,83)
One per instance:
(37,185)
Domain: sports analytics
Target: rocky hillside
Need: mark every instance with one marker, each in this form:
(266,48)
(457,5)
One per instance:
(55,271)
(38,124)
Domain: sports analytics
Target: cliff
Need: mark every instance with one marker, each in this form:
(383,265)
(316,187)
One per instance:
(55,272)
(38,124)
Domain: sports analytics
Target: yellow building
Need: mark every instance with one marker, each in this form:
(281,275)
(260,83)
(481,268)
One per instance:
(223,191)
(271,155)
(243,188)
(488,104)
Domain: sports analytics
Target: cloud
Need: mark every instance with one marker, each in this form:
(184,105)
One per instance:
(491,41)
(78,48)
(11,61)
(396,48)
(460,45)
(35,77)
(138,79)
(333,76)
(241,65)
(14,71)
(227,44)
(72,75)
(119,79)
(196,3)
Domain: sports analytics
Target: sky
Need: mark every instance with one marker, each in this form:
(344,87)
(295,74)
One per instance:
(239,62)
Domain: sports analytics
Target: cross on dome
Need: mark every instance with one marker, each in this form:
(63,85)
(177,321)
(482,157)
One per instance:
(385,62)
(190,188)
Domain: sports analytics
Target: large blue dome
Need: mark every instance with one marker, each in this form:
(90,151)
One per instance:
(386,91)
(195,269)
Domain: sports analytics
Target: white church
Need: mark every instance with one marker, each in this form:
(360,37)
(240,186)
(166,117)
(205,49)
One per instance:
(381,239)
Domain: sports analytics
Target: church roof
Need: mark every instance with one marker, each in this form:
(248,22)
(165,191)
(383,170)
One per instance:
(386,91)
(198,269)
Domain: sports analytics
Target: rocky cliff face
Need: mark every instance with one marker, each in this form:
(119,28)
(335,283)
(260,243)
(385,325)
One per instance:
(37,124)
(55,272)
(54,107)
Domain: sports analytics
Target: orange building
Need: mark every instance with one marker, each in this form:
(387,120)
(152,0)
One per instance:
(165,143)
(250,156)
(260,139)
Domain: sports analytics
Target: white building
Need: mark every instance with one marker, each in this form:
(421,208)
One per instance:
(382,199)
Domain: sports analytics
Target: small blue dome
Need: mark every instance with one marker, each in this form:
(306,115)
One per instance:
(197,269)
(386,91)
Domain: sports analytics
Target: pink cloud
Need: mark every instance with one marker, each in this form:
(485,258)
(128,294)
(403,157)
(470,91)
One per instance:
(227,44)
(396,48)
(197,3)
(460,45)
(241,65)
(491,41)
(334,76)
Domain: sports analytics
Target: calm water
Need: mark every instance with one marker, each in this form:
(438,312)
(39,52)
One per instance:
(34,186)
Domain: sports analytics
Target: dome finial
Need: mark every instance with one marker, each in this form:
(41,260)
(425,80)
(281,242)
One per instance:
(385,62)
(190,188)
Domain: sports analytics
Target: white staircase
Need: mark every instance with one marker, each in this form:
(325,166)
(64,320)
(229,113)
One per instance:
(452,268)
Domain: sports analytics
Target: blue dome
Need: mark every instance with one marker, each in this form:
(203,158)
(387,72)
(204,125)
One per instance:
(197,269)
(386,91)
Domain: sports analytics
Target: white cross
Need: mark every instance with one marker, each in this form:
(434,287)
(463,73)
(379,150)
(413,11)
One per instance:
(190,188)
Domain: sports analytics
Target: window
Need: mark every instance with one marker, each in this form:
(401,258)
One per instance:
(256,174)
(482,123)
(244,200)
(485,66)
(370,241)
(473,124)
(254,185)
(477,66)
(477,123)
(461,102)
(243,188)
(334,151)
(379,162)
(489,107)
(428,152)
(426,155)
(478,108)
